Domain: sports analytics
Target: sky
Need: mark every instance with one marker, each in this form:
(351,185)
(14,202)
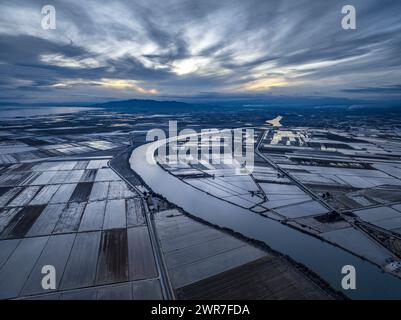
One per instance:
(107,50)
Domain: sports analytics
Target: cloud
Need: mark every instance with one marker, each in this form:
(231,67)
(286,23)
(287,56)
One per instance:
(117,84)
(185,47)
(265,84)
(66,62)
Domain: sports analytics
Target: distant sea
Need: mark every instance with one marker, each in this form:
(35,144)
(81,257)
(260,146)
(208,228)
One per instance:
(14,112)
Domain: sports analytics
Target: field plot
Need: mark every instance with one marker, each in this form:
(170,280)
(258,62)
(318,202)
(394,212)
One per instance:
(348,172)
(194,251)
(37,147)
(205,263)
(23,139)
(80,217)
(388,218)
(260,188)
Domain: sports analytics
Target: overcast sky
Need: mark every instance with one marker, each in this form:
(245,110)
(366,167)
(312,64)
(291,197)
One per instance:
(103,50)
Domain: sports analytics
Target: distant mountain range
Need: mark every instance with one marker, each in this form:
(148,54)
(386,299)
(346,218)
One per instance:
(145,105)
(142,105)
(148,105)
(142,102)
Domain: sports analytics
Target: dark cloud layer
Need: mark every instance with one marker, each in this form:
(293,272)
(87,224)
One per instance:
(124,49)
